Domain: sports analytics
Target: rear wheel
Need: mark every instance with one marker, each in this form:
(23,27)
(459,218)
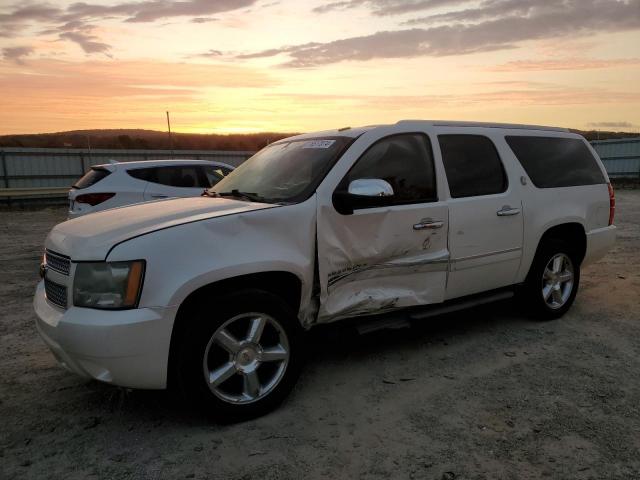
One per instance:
(553,280)
(240,359)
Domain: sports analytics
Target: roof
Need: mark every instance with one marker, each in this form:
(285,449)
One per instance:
(511,126)
(165,163)
(355,132)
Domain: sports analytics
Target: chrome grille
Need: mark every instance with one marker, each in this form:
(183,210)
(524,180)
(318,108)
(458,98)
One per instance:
(56,293)
(58,262)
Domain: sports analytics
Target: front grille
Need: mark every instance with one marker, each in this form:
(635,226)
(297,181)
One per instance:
(56,293)
(58,262)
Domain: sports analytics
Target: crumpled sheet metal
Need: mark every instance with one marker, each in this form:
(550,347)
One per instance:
(367,267)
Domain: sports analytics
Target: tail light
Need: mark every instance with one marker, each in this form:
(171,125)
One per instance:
(612,204)
(94,199)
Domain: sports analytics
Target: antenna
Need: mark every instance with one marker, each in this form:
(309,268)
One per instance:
(169,129)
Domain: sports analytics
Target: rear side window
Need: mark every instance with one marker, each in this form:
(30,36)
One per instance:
(405,161)
(174,176)
(472,165)
(556,162)
(145,174)
(92,177)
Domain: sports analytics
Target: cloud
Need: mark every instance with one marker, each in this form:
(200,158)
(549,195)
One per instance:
(388,7)
(501,31)
(72,22)
(563,64)
(151,10)
(16,54)
(612,125)
(209,54)
(203,20)
(87,42)
(522,94)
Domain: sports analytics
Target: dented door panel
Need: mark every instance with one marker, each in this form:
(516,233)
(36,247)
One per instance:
(375,261)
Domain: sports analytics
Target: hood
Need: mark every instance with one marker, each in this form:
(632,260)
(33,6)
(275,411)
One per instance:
(90,237)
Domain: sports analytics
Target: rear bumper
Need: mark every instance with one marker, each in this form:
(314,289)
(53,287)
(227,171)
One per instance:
(599,242)
(129,348)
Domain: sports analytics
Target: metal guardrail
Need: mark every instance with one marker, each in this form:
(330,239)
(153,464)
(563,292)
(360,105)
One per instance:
(33,192)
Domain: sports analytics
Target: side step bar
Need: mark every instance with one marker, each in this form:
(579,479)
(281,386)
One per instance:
(462,304)
(397,320)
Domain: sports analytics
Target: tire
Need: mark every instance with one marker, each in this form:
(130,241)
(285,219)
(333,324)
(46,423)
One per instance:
(551,293)
(240,356)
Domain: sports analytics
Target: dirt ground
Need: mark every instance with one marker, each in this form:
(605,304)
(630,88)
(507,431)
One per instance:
(487,393)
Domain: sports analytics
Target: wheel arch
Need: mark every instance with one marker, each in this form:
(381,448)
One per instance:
(570,232)
(285,285)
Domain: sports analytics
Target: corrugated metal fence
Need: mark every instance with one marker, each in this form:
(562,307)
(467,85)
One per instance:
(61,167)
(621,157)
(56,168)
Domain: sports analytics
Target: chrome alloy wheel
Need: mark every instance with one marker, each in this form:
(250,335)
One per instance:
(246,358)
(557,281)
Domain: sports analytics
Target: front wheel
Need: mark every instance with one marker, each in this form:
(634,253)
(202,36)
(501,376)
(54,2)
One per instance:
(553,281)
(240,357)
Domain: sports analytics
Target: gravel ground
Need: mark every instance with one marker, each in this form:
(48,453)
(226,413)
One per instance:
(486,393)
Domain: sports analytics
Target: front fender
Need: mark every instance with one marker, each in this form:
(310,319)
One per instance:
(186,257)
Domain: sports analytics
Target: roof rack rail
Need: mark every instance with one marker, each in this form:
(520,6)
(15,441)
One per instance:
(514,126)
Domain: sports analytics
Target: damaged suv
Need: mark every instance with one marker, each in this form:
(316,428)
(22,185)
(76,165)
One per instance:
(212,294)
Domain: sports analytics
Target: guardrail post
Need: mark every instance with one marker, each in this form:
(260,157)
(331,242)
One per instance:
(4,169)
(5,174)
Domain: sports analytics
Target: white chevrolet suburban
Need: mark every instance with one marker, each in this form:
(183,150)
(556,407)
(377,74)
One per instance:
(212,294)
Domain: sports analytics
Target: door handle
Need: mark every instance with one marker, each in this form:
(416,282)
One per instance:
(159,196)
(428,224)
(507,211)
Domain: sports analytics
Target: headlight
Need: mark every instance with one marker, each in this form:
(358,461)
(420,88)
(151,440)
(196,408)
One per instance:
(108,285)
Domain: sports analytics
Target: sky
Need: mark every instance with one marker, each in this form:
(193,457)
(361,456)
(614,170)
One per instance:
(236,66)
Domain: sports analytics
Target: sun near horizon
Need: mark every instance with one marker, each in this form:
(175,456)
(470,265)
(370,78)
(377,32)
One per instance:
(241,66)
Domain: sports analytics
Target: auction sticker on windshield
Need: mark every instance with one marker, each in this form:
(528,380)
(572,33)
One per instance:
(319,143)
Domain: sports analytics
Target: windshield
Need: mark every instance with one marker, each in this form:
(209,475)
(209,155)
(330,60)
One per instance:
(286,171)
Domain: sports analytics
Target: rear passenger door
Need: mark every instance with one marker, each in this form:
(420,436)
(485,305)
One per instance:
(485,215)
(174,181)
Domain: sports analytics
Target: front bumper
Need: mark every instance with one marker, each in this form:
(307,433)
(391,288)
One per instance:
(129,348)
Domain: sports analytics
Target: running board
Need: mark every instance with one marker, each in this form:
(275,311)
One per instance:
(462,305)
(386,323)
(398,320)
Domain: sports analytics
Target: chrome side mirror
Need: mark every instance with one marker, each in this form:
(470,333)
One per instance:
(370,187)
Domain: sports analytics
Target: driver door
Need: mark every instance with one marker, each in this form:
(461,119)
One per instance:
(380,253)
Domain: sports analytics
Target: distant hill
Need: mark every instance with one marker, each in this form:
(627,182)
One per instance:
(142,139)
(155,140)
(599,135)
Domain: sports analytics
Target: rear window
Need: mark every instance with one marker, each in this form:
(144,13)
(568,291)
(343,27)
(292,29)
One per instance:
(92,177)
(556,162)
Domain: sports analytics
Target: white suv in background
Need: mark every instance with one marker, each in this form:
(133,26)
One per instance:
(390,223)
(124,183)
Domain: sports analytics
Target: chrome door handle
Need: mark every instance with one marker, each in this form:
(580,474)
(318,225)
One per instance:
(507,211)
(428,225)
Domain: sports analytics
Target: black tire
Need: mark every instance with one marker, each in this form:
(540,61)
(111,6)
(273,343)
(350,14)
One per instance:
(533,288)
(209,317)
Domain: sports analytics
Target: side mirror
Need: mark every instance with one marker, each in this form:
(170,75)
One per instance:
(363,193)
(370,187)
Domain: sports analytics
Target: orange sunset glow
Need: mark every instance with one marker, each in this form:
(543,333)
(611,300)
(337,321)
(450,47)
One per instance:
(263,65)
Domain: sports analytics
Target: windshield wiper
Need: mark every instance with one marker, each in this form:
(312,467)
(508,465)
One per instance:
(252,197)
